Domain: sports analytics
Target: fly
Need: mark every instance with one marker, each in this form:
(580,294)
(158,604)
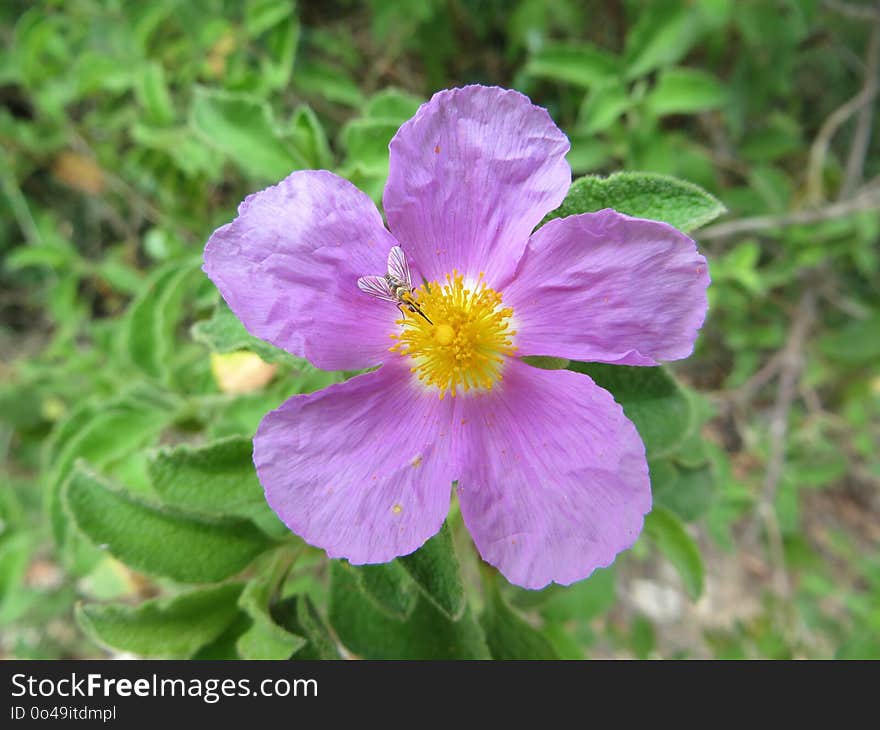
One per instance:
(396,286)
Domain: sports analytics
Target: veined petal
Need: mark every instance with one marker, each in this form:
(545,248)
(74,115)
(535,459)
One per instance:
(605,287)
(288,267)
(362,469)
(556,481)
(471,174)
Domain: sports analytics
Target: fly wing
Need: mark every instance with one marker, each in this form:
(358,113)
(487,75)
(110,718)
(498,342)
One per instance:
(398,268)
(376,286)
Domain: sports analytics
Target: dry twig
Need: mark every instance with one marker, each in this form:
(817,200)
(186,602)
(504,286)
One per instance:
(868,199)
(791,365)
(819,150)
(862,137)
(851,10)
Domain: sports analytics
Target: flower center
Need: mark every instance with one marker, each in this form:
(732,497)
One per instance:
(461,340)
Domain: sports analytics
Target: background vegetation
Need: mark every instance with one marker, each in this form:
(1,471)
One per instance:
(131,130)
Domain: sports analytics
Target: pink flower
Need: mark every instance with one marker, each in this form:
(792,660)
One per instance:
(551,476)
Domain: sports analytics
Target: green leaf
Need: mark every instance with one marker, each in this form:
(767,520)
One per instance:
(642,638)
(686,91)
(15,554)
(330,82)
(173,628)
(152,93)
(299,615)
(308,136)
(583,64)
(224,646)
(389,588)
(663,34)
(651,399)
(602,107)
(120,276)
(260,15)
(643,195)
(224,332)
(392,104)
(858,343)
(95,71)
(215,479)
(100,432)
(49,254)
(435,569)
(564,643)
(546,363)
(425,634)
(264,639)
(276,65)
(149,334)
(366,144)
(667,532)
(692,452)
(158,541)
(578,602)
(687,491)
(185,150)
(243,128)
(508,635)
(740,265)
(588,152)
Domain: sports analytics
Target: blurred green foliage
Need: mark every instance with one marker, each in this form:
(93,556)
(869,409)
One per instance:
(131,130)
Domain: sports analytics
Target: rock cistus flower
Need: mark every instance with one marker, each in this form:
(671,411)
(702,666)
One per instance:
(551,476)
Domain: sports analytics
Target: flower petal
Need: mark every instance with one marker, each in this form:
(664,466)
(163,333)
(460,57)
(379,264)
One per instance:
(288,267)
(471,174)
(362,469)
(605,287)
(557,482)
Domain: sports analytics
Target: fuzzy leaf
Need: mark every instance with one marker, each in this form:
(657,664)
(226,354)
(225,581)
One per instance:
(389,587)
(299,615)
(148,337)
(435,569)
(643,195)
(215,479)
(425,634)
(159,541)
(224,646)
(100,433)
(163,627)
(264,639)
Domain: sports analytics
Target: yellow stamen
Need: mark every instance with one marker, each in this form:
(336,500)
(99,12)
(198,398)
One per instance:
(465,344)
